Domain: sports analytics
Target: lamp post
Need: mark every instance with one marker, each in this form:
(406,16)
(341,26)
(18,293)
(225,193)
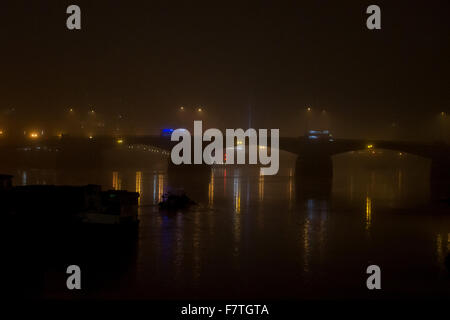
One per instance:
(308,115)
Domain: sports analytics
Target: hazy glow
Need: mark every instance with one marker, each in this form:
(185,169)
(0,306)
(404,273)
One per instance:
(368,212)
(34,135)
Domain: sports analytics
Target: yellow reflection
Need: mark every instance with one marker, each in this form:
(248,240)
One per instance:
(261,187)
(237,195)
(368,212)
(117,181)
(160,187)
(139,185)
(211,190)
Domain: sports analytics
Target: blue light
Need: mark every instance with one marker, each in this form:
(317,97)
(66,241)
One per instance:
(167,132)
(312,137)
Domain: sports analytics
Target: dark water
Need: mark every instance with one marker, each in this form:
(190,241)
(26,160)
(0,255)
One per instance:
(255,236)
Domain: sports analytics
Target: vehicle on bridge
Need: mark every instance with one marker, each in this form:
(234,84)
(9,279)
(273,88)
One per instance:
(320,135)
(167,132)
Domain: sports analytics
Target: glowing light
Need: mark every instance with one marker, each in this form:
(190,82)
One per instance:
(160,187)
(368,212)
(237,195)
(167,132)
(308,109)
(199,109)
(1,132)
(117,181)
(261,187)
(181,108)
(34,135)
(119,141)
(139,185)
(211,190)
(370,146)
(91,137)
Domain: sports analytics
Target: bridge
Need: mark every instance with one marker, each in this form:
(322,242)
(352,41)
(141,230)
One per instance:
(314,158)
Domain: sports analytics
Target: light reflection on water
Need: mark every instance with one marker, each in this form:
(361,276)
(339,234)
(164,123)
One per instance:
(266,236)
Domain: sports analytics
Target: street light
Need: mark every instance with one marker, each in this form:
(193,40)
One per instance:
(308,114)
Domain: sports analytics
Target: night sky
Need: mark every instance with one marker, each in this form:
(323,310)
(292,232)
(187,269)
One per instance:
(145,59)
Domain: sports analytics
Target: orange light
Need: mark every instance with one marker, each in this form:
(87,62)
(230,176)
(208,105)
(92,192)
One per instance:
(34,135)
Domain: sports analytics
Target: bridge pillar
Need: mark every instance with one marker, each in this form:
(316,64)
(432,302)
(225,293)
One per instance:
(314,176)
(440,178)
(192,178)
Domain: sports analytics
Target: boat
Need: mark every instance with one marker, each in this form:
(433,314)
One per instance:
(175,201)
(71,207)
